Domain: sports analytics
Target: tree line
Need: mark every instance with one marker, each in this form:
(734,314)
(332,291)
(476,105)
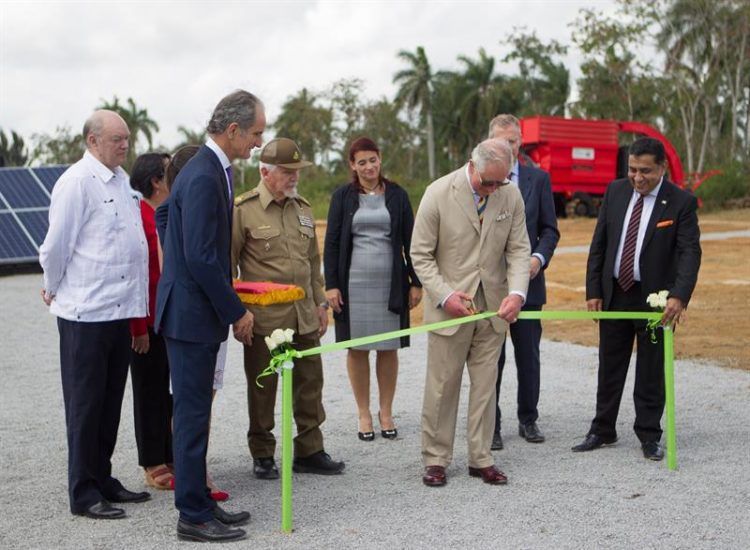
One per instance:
(694,87)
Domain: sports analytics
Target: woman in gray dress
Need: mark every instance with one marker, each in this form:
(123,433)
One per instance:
(370,282)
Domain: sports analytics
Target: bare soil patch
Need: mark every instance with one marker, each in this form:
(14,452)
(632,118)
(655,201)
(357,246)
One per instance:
(717,326)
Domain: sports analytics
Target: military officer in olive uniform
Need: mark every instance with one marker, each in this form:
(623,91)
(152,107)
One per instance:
(273,239)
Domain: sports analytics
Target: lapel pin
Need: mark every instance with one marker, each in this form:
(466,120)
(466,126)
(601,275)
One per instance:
(663,202)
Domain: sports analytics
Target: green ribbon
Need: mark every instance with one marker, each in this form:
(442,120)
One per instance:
(283,359)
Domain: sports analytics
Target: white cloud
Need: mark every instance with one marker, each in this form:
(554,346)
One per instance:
(58,60)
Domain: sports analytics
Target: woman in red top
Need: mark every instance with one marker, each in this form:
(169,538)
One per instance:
(149,368)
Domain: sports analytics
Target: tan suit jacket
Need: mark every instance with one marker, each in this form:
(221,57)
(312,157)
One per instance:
(451,251)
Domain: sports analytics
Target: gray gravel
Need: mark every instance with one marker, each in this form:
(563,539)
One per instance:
(610,498)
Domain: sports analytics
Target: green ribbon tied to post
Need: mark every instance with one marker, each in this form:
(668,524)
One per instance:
(282,362)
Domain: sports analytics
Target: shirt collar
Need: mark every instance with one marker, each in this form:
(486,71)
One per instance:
(219,152)
(514,172)
(264,194)
(99,170)
(654,192)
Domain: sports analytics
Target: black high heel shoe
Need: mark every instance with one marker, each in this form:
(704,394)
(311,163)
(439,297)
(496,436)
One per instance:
(366,436)
(387,434)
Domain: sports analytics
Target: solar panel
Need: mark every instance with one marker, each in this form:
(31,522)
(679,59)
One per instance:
(49,175)
(36,223)
(20,189)
(24,211)
(15,245)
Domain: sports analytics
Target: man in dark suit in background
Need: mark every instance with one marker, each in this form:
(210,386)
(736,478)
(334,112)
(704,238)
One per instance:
(646,240)
(196,303)
(541,225)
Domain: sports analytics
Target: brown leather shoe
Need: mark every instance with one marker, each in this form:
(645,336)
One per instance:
(434,476)
(490,475)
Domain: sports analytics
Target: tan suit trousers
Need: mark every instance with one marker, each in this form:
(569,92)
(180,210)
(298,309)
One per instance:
(478,346)
(307,389)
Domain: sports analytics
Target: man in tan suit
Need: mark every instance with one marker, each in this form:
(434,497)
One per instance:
(273,239)
(470,249)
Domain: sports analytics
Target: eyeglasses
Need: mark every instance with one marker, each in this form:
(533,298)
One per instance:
(492,183)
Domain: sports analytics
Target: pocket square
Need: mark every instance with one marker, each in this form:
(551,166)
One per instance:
(502,216)
(664,223)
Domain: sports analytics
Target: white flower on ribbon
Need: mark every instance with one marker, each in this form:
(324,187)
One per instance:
(270,343)
(278,336)
(658,300)
(289,333)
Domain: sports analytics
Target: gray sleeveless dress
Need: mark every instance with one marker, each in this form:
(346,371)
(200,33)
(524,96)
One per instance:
(370,273)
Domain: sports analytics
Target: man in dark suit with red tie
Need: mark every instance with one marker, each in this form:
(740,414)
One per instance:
(646,240)
(195,303)
(541,225)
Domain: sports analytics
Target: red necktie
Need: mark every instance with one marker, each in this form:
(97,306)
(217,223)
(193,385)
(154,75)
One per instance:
(627,260)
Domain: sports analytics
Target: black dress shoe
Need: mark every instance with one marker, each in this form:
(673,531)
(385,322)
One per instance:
(317,463)
(389,434)
(592,442)
(265,468)
(497,442)
(531,432)
(652,450)
(211,531)
(102,510)
(123,495)
(366,436)
(228,518)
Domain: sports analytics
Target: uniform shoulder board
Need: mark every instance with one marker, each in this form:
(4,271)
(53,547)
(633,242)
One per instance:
(247,195)
(303,200)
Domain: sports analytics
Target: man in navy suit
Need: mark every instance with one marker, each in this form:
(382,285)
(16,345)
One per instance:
(541,225)
(196,303)
(646,240)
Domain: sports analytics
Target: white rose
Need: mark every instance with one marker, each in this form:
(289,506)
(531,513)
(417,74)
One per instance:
(289,333)
(662,301)
(278,336)
(652,300)
(270,343)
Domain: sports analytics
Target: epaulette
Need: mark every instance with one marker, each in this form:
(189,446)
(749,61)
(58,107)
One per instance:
(303,200)
(247,195)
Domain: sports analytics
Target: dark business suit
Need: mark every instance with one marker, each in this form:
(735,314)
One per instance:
(541,225)
(669,260)
(195,305)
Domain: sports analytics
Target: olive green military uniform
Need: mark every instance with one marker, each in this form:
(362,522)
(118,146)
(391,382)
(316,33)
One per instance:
(276,242)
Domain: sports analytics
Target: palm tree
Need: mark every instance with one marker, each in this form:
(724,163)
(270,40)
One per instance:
(190,137)
(310,125)
(13,151)
(416,91)
(138,121)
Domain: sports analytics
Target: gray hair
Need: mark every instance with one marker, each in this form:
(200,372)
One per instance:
(504,121)
(269,167)
(239,106)
(492,151)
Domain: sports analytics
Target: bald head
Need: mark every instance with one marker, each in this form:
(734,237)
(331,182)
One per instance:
(106,135)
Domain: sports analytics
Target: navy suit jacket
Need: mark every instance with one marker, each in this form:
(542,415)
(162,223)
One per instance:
(671,250)
(541,224)
(195,300)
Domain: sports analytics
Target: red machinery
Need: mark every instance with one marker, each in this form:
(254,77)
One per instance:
(584,156)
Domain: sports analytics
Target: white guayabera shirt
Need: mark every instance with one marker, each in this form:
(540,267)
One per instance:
(95,256)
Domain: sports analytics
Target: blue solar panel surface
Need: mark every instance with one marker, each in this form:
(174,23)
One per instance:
(36,223)
(24,211)
(21,190)
(48,175)
(14,244)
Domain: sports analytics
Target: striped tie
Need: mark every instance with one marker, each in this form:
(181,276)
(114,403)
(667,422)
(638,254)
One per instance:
(481,205)
(627,260)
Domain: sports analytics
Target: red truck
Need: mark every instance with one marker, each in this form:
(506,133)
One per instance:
(583,156)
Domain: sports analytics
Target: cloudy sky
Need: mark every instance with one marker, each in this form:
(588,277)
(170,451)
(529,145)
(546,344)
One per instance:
(58,60)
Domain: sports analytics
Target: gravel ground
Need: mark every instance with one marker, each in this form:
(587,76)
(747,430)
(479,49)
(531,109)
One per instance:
(610,498)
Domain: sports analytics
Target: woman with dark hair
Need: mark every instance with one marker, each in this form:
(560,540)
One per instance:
(149,368)
(370,282)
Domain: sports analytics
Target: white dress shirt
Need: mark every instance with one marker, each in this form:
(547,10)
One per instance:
(648,207)
(223,159)
(95,256)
